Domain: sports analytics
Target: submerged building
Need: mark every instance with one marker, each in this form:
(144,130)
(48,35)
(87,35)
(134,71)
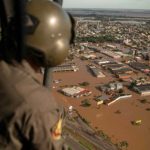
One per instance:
(96,72)
(75,91)
(64,68)
(144,90)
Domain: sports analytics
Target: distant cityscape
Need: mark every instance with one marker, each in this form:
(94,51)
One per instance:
(125,13)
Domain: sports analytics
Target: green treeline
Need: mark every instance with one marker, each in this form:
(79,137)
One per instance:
(102,38)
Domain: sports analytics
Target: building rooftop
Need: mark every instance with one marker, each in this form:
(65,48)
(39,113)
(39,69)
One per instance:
(73,90)
(143,88)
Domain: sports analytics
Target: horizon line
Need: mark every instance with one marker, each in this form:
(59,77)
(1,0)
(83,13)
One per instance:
(111,8)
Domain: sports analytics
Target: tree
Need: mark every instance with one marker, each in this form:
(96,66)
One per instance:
(132,85)
(148,109)
(85,103)
(143,101)
(84,83)
(121,91)
(122,145)
(118,112)
(69,148)
(71,57)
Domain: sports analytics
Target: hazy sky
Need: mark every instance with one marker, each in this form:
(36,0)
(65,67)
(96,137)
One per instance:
(129,4)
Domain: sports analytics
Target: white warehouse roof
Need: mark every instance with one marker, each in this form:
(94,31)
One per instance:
(72,90)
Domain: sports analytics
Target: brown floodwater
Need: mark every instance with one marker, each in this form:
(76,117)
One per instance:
(116,125)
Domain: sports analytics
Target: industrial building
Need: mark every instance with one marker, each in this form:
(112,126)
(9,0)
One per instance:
(111,54)
(75,91)
(111,46)
(140,66)
(118,97)
(101,99)
(144,90)
(63,68)
(100,62)
(111,86)
(105,99)
(105,65)
(124,76)
(116,86)
(96,72)
(115,66)
(125,70)
(88,56)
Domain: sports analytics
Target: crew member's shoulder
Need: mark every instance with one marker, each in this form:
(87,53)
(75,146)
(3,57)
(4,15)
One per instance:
(21,80)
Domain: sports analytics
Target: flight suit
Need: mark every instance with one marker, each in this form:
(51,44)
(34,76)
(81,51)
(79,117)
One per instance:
(30,119)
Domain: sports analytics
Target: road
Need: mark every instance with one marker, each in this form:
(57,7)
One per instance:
(83,130)
(74,144)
